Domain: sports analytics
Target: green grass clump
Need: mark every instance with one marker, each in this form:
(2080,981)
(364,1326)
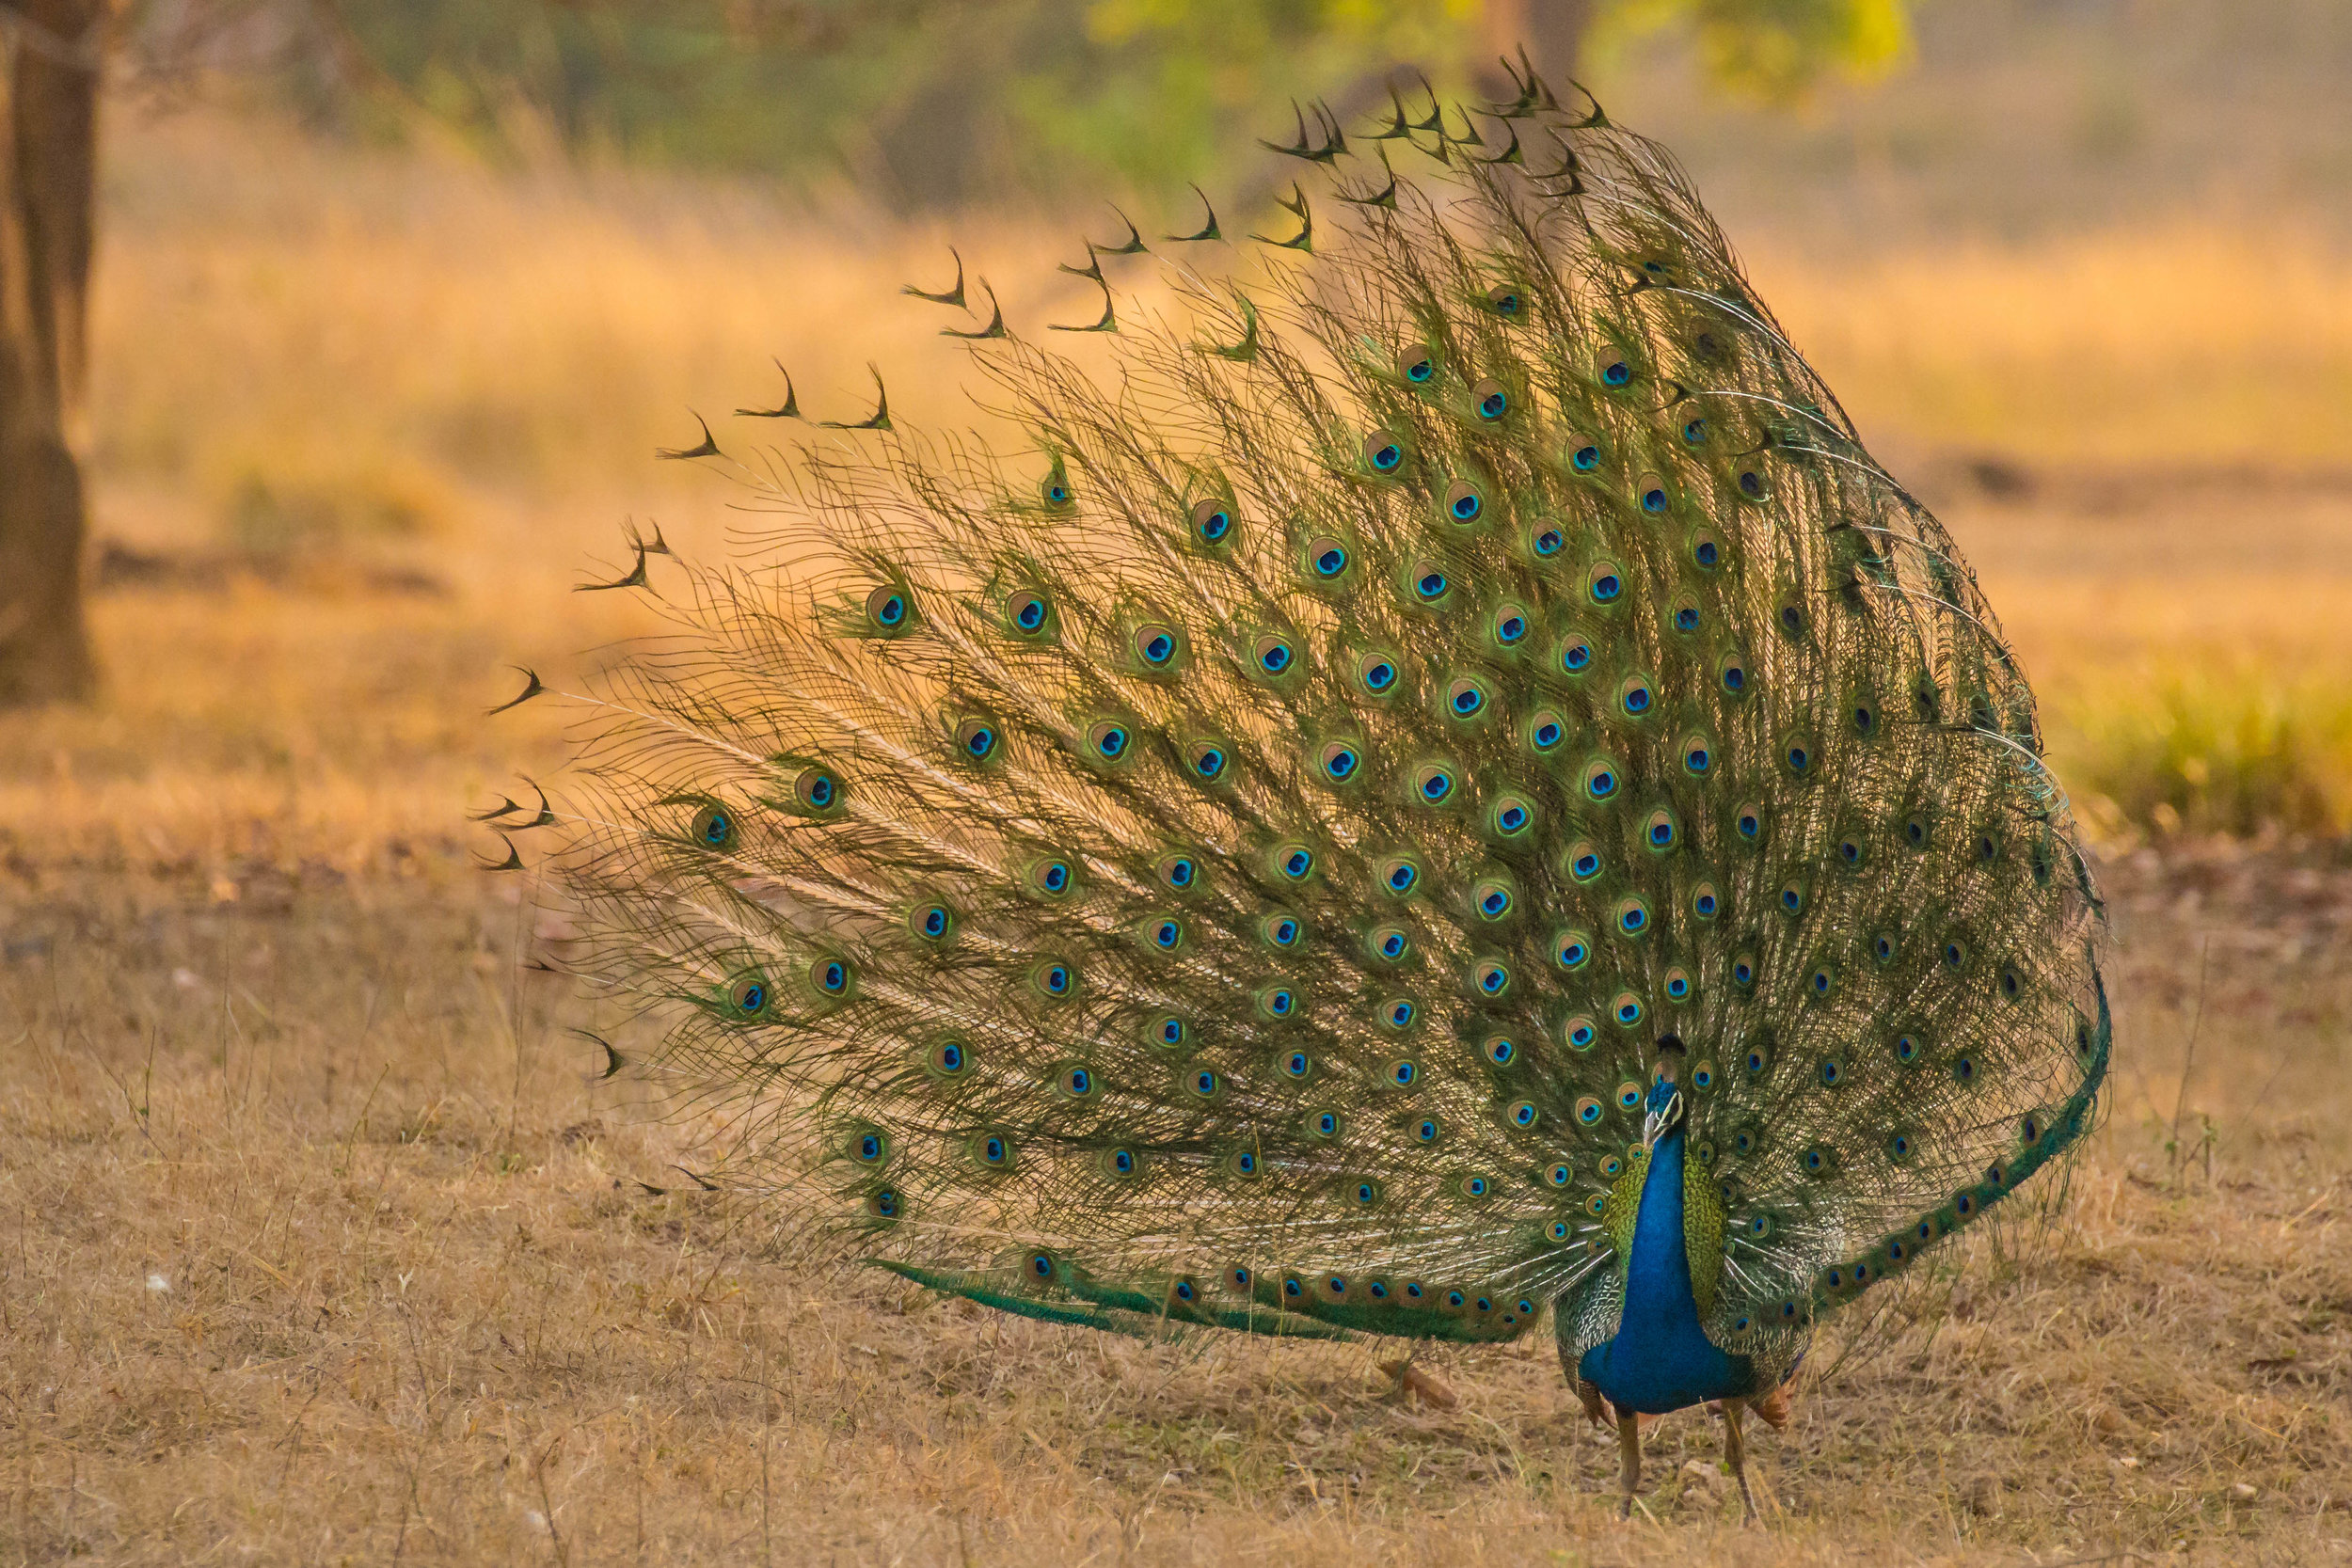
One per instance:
(2244,753)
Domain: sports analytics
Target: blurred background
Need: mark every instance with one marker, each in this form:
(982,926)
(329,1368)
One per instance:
(390,304)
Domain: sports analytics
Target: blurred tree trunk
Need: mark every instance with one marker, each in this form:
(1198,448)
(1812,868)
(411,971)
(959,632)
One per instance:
(1551,31)
(49,60)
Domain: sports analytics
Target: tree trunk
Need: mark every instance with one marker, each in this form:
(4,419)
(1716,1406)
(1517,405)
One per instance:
(1552,32)
(49,59)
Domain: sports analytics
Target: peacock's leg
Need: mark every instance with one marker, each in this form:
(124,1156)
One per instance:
(1630,1458)
(1736,1455)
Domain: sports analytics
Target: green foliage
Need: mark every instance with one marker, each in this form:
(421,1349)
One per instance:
(935,101)
(1775,49)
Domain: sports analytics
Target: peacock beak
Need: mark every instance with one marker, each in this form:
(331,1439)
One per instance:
(1656,1124)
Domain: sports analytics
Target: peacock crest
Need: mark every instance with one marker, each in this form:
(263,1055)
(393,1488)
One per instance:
(1231,858)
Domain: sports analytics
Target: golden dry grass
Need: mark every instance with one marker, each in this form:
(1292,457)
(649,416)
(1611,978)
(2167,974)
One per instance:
(318,1244)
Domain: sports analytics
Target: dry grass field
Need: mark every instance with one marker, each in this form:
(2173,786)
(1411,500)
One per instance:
(320,1244)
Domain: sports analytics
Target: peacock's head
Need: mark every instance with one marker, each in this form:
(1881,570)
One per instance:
(1664,1112)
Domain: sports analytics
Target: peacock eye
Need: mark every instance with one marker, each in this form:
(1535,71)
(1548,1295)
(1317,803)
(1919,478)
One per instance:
(1212,522)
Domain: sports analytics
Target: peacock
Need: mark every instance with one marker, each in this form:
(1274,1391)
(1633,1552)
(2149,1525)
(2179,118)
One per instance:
(1433,786)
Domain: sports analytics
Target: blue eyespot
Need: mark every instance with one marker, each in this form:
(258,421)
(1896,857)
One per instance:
(1078,1080)
(1401,876)
(1156,646)
(1606,585)
(1281,1002)
(1430,586)
(1212,521)
(1466,697)
(1491,400)
(1584,866)
(1572,952)
(1378,674)
(833,976)
(977,737)
(1547,734)
(1383,452)
(1707,553)
(1587,458)
(1393,945)
(1054,876)
(1330,558)
(1055,492)
(1204,1083)
(1549,541)
(994,1151)
(1400,1013)
(1614,371)
(1403,1074)
(1274,655)
(887,609)
(1581,1034)
(1463,502)
(1601,781)
(1297,862)
(1510,627)
(1056,979)
(1328,1123)
(935,921)
(1576,655)
(1511,819)
(1338,762)
(1425,1131)
(1178,872)
(1282,931)
(1296,1063)
(1027,610)
(1110,741)
(1694,432)
(1654,499)
(1434,782)
(1208,762)
(1166,934)
(1686,618)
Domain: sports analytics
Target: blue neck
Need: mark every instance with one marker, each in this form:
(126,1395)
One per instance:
(1660,1358)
